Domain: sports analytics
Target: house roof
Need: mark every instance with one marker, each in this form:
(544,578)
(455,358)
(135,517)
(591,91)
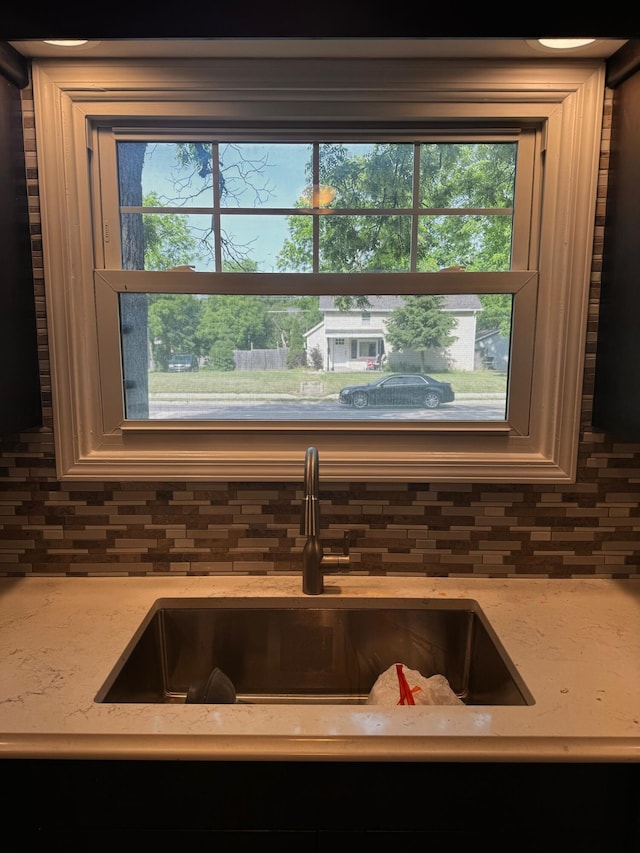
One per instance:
(453,302)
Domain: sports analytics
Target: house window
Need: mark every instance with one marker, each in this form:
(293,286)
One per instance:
(363,349)
(314,227)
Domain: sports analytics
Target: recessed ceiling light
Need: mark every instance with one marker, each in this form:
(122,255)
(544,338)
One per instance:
(565,44)
(66,42)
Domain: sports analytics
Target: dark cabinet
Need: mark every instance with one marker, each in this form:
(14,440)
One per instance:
(616,406)
(244,805)
(20,406)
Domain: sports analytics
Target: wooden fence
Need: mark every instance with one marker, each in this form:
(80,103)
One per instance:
(261,359)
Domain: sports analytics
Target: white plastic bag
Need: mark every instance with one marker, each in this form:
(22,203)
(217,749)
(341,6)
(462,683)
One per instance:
(400,685)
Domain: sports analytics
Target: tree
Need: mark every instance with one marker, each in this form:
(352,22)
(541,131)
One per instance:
(296,355)
(242,180)
(173,318)
(496,313)
(174,321)
(240,320)
(421,324)
(466,176)
(373,176)
(168,241)
(221,355)
(315,358)
(290,316)
(159,242)
(133,306)
(453,177)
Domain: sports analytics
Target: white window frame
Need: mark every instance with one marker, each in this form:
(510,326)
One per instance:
(538,442)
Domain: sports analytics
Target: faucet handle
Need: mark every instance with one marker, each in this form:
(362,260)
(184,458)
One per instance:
(338,562)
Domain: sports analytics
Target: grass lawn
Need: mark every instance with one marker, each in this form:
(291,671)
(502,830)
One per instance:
(294,382)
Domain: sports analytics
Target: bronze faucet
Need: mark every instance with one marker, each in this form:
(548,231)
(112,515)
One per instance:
(314,561)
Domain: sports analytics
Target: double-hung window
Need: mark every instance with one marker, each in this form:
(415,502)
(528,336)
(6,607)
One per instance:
(239,256)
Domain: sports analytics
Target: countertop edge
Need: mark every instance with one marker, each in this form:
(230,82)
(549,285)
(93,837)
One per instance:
(352,749)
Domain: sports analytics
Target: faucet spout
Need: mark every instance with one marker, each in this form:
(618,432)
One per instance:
(310,522)
(314,561)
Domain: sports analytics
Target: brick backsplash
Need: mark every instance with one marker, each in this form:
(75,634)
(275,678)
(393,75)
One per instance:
(589,528)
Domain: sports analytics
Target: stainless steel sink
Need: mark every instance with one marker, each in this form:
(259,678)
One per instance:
(294,651)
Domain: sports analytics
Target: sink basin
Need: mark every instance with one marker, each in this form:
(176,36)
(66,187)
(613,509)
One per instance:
(288,651)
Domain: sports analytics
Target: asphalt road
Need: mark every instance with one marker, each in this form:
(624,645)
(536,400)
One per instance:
(474,409)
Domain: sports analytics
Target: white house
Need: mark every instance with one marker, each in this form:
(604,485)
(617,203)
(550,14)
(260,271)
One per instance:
(350,340)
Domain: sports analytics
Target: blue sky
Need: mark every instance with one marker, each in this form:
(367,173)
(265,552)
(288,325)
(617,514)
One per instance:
(274,177)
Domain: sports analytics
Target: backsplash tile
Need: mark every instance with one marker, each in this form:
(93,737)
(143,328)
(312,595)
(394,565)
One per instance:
(589,528)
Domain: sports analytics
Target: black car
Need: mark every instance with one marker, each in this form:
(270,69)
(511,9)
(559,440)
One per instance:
(399,389)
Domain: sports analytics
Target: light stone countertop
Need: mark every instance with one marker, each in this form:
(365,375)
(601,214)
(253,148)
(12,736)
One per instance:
(576,644)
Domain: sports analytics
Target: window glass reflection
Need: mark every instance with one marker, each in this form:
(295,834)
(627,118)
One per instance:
(333,358)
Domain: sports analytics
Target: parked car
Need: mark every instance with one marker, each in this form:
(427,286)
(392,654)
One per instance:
(398,389)
(182,363)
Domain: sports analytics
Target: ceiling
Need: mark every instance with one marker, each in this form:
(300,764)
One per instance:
(422,48)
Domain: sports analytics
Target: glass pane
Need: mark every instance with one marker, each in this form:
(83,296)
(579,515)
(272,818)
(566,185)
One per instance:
(159,241)
(331,358)
(365,243)
(266,243)
(479,243)
(165,174)
(468,187)
(263,175)
(478,175)
(372,175)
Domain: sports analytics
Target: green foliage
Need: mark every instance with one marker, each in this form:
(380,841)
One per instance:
(379,177)
(239,265)
(496,313)
(296,354)
(296,254)
(315,358)
(289,316)
(173,322)
(422,325)
(453,177)
(351,303)
(240,319)
(167,239)
(467,176)
(221,356)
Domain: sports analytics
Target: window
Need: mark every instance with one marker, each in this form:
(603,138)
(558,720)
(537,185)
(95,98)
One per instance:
(283,229)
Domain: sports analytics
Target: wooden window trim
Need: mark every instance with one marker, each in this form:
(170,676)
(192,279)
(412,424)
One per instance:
(564,100)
